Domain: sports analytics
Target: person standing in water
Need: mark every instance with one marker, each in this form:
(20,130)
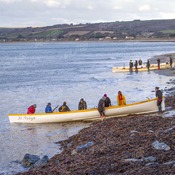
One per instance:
(159,98)
(158,63)
(101,107)
(148,65)
(171,61)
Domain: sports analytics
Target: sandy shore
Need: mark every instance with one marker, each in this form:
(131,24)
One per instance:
(164,58)
(122,146)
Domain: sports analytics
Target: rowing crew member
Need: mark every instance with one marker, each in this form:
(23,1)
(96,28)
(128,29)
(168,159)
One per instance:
(31,109)
(48,108)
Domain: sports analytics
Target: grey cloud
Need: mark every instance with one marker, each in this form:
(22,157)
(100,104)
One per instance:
(38,13)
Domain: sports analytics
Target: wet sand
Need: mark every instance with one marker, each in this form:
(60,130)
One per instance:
(122,146)
(164,58)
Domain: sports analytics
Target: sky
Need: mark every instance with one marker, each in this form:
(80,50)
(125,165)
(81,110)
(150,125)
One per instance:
(35,13)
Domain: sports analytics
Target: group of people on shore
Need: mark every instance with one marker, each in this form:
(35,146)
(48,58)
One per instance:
(135,64)
(138,63)
(104,102)
(148,64)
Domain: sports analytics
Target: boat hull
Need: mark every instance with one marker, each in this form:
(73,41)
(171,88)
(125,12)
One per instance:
(87,115)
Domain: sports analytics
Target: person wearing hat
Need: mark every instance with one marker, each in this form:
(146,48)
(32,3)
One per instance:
(101,107)
(159,98)
(31,109)
(107,101)
(121,100)
(64,107)
(82,104)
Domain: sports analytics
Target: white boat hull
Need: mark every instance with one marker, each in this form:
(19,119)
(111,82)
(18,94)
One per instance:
(89,114)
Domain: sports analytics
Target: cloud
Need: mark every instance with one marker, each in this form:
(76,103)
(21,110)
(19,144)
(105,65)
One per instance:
(51,12)
(52,3)
(145,7)
(167,15)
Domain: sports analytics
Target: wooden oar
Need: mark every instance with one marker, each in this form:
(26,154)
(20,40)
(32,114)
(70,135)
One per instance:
(55,108)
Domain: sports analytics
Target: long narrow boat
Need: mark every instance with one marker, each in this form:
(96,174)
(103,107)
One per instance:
(142,68)
(146,106)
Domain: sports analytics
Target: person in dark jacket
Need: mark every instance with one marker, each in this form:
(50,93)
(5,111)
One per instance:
(64,108)
(136,65)
(131,64)
(159,98)
(82,104)
(107,101)
(140,62)
(148,64)
(171,61)
(158,63)
(101,107)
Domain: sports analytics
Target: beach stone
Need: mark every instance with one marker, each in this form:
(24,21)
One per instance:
(169,163)
(81,147)
(150,159)
(41,161)
(29,160)
(152,164)
(93,172)
(169,129)
(57,162)
(160,146)
(74,152)
(133,160)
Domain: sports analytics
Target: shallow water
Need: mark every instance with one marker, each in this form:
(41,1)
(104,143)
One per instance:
(56,72)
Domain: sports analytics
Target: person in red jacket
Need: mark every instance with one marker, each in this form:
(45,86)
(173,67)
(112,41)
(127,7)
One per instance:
(31,109)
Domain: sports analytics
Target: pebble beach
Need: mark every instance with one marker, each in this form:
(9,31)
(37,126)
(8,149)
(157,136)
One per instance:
(136,144)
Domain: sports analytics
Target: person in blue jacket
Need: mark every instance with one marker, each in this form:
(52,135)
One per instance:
(48,108)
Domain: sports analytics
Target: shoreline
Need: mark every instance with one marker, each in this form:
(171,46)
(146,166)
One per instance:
(119,145)
(164,58)
(100,41)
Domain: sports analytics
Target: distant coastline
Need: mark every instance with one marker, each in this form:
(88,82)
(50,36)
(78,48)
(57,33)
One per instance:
(137,30)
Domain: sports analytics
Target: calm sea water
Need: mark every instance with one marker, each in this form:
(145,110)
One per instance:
(56,72)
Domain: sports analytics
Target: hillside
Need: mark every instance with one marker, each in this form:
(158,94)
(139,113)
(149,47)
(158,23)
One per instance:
(128,30)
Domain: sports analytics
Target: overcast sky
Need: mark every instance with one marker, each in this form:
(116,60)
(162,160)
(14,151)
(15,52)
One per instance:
(25,13)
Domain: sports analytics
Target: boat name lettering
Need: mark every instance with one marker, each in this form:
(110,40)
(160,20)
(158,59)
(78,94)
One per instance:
(26,118)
